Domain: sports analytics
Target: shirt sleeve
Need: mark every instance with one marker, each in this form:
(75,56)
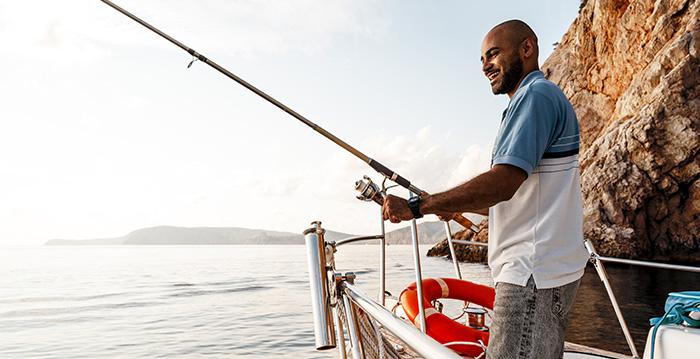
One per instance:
(526,132)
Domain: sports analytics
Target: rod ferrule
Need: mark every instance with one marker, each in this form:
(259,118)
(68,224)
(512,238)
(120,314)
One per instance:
(197,55)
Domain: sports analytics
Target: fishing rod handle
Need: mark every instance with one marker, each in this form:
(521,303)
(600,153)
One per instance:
(459,218)
(386,172)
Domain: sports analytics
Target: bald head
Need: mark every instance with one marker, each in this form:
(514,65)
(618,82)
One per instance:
(508,53)
(514,31)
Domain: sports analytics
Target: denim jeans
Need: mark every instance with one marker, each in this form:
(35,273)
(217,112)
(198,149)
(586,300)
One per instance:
(529,323)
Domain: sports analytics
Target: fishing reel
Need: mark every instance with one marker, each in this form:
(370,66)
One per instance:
(370,191)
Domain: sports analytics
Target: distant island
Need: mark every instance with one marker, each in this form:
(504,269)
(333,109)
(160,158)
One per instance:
(430,233)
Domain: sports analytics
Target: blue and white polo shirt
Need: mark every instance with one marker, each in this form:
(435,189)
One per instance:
(539,232)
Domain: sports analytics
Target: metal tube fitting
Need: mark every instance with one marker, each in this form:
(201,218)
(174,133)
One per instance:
(324,328)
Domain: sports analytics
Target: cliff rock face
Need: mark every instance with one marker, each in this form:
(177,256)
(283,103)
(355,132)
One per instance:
(632,71)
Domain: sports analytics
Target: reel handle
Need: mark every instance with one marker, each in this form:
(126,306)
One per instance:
(370,191)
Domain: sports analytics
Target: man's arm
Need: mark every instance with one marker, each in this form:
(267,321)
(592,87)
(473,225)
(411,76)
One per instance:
(489,188)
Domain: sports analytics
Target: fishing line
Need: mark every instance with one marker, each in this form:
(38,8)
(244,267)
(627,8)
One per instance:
(196,56)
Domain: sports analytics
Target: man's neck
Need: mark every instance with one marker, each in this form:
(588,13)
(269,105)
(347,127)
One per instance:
(524,75)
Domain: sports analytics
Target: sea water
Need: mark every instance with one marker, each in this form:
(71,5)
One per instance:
(238,301)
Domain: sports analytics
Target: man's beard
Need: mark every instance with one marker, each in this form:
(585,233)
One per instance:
(511,77)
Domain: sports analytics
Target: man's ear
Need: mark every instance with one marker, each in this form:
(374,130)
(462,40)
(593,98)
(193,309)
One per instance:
(527,48)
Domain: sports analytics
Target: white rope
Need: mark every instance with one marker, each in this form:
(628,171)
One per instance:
(380,342)
(443,287)
(480,344)
(464,343)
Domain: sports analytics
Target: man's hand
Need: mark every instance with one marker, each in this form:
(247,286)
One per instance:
(395,209)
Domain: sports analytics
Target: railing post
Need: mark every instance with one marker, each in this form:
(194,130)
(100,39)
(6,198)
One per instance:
(448,232)
(353,325)
(600,269)
(419,275)
(382,262)
(340,333)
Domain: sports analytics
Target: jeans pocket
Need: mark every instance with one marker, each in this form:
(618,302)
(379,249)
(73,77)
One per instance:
(558,308)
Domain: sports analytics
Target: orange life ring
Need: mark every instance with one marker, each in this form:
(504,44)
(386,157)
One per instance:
(439,326)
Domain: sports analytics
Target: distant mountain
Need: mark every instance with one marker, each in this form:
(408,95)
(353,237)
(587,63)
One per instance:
(168,235)
(429,232)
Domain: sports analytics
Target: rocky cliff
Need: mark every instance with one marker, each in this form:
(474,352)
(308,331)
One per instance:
(632,71)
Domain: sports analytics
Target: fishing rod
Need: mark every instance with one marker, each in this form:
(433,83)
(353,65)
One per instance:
(383,170)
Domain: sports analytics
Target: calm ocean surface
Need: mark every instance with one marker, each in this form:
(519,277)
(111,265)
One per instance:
(237,301)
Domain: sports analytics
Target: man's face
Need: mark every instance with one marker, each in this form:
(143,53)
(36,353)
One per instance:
(501,63)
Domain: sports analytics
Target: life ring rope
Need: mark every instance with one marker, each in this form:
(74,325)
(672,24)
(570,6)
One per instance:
(428,313)
(445,288)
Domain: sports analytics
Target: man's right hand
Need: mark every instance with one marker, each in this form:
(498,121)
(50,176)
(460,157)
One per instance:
(395,209)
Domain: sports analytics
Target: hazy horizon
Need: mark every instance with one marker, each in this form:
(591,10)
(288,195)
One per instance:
(105,130)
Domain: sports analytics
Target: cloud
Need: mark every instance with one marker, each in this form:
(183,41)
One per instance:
(327,192)
(83,31)
(424,158)
(473,161)
(277,27)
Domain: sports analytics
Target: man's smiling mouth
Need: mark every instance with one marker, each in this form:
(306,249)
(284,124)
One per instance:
(492,76)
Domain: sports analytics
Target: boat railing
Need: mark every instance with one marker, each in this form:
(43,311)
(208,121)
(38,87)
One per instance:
(649,264)
(349,240)
(331,290)
(408,334)
(460,241)
(598,261)
(335,298)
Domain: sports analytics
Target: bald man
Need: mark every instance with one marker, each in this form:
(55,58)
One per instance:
(532,195)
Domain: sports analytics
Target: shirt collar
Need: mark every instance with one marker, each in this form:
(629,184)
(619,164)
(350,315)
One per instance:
(528,79)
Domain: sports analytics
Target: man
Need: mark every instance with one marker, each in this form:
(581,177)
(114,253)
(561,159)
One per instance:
(532,196)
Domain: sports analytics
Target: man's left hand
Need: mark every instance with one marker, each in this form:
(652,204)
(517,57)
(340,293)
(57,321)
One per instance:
(395,209)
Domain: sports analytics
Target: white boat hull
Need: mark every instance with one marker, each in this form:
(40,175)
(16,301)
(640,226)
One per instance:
(674,342)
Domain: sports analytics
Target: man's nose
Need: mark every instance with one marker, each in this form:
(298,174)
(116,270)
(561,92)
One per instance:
(485,67)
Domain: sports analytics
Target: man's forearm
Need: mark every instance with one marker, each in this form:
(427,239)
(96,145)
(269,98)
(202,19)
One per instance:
(497,185)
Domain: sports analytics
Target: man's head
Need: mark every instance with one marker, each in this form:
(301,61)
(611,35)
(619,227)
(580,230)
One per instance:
(508,53)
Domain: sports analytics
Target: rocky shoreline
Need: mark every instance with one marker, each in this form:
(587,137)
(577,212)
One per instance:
(465,252)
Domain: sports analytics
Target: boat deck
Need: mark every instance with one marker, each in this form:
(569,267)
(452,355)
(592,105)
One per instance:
(572,350)
(588,351)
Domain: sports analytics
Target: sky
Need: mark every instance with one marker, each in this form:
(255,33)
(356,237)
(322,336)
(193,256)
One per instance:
(104,129)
